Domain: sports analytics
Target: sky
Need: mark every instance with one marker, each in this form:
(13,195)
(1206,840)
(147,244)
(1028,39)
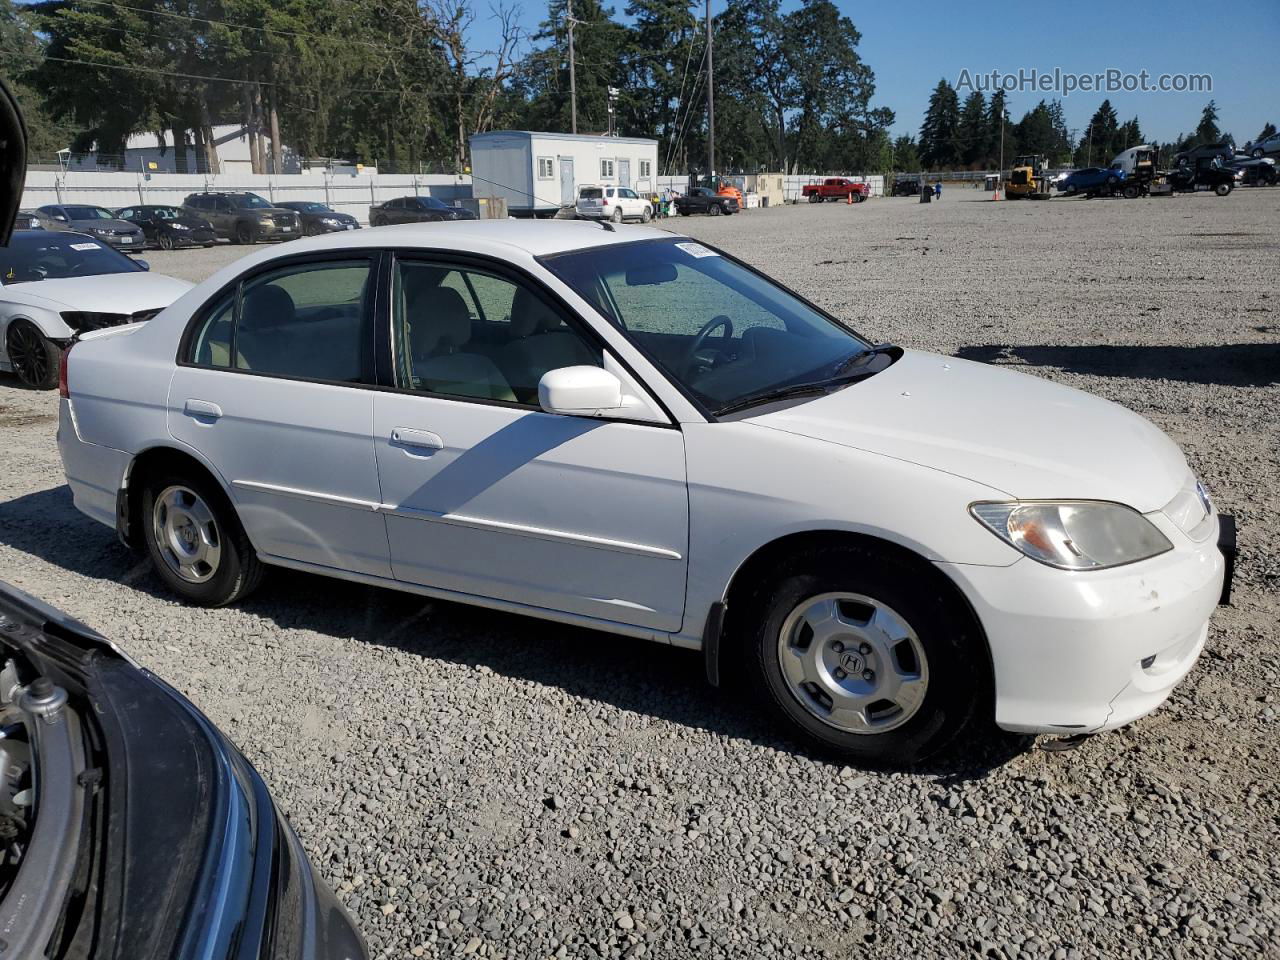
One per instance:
(910,47)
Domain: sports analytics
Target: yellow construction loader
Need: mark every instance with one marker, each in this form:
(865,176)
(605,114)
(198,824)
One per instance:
(1028,178)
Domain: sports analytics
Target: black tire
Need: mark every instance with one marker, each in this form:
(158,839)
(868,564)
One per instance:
(244,233)
(238,571)
(616,216)
(957,696)
(1131,192)
(1071,190)
(1258,153)
(165,240)
(715,210)
(34,357)
(379,222)
(684,212)
(1222,189)
(646,215)
(814,198)
(312,230)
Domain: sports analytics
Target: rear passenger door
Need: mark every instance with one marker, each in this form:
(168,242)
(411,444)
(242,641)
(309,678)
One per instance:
(273,390)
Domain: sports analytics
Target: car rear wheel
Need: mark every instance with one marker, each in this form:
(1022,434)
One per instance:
(1071,190)
(379,222)
(244,233)
(196,542)
(1257,153)
(864,658)
(1131,192)
(165,240)
(617,215)
(33,356)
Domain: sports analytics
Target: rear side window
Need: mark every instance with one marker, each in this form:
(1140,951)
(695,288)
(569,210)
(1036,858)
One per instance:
(307,321)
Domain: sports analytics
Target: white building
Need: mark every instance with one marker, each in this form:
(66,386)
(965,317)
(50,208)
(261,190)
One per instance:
(146,153)
(538,173)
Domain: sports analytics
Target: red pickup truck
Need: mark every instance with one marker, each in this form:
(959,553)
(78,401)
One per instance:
(836,188)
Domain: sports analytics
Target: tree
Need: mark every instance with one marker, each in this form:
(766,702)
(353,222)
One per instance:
(1207,130)
(905,156)
(1001,140)
(939,131)
(20,53)
(1099,138)
(971,135)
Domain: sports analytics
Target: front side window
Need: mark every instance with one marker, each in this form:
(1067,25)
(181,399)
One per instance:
(250,201)
(89,213)
(311,321)
(606,168)
(723,332)
(471,334)
(546,168)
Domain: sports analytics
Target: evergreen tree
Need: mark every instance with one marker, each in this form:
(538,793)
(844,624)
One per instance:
(1207,131)
(971,134)
(906,158)
(1002,141)
(938,148)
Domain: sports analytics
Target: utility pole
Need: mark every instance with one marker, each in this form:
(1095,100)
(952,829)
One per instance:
(711,104)
(573,79)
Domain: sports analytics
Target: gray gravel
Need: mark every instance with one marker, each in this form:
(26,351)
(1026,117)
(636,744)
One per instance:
(478,784)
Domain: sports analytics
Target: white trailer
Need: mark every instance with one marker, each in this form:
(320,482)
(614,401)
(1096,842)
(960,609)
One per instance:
(539,173)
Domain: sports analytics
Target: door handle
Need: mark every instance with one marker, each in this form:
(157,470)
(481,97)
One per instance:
(424,439)
(202,409)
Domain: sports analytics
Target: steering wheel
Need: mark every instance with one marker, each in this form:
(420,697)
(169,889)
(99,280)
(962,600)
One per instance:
(714,323)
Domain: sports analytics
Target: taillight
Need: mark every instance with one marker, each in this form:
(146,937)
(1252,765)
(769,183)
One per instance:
(64,390)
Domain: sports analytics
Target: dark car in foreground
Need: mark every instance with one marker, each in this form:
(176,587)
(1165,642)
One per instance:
(318,218)
(706,200)
(243,217)
(169,227)
(415,210)
(134,830)
(98,222)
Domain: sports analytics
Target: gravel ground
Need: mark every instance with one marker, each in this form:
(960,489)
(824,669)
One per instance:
(480,784)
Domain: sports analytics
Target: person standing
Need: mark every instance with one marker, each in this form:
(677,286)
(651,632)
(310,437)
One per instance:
(937,190)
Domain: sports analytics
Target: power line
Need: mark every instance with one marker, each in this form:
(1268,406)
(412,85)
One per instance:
(240,81)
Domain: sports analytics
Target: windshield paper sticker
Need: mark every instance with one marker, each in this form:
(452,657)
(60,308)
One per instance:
(84,246)
(697,250)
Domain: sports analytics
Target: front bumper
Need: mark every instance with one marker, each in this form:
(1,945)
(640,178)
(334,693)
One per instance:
(1093,651)
(192,238)
(125,244)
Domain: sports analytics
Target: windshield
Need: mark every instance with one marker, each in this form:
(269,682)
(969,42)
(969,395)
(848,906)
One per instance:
(250,201)
(89,213)
(55,256)
(166,213)
(432,203)
(309,207)
(715,327)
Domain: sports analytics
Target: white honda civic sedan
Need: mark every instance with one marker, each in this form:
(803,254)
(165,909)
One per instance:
(633,431)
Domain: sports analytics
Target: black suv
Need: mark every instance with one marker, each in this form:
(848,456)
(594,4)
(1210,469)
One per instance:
(705,200)
(244,217)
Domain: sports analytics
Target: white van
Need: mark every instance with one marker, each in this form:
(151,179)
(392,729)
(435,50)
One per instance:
(613,203)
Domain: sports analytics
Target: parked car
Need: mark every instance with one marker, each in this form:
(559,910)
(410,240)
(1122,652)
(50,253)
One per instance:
(98,222)
(613,203)
(416,210)
(835,188)
(55,286)
(119,796)
(1269,147)
(28,220)
(318,218)
(906,187)
(1256,173)
(243,217)
(169,227)
(1092,181)
(838,521)
(705,200)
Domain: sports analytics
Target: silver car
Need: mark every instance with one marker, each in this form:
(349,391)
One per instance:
(99,222)
(1265,148)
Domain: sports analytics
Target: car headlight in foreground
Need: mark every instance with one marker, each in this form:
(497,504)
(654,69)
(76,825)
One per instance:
(179,226)
(1073,534)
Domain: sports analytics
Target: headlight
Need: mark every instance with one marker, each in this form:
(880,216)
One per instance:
(179,226)
(332,221)
(1073,535)
(266,222)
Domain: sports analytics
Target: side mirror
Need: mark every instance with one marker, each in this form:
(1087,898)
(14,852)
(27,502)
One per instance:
(579,391)
(143,264)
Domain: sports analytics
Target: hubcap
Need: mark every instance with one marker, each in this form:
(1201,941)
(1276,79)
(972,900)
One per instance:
(853,662)
(187,534)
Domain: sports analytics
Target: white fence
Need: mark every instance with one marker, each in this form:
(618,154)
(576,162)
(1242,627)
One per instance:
(343,192)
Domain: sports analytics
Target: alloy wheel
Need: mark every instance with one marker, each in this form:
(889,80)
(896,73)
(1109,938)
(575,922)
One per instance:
(166,241)
(28,354)
(187,534)
(853,662)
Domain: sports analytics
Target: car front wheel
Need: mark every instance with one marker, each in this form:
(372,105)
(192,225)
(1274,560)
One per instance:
(1222,189)
(33,356)
(244,233)
(165,240)
(866,659)
(715,210)
(196,542)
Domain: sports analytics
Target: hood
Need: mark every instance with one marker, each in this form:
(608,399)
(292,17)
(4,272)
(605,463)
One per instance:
(1028,437)
(87,226)
(109,293)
